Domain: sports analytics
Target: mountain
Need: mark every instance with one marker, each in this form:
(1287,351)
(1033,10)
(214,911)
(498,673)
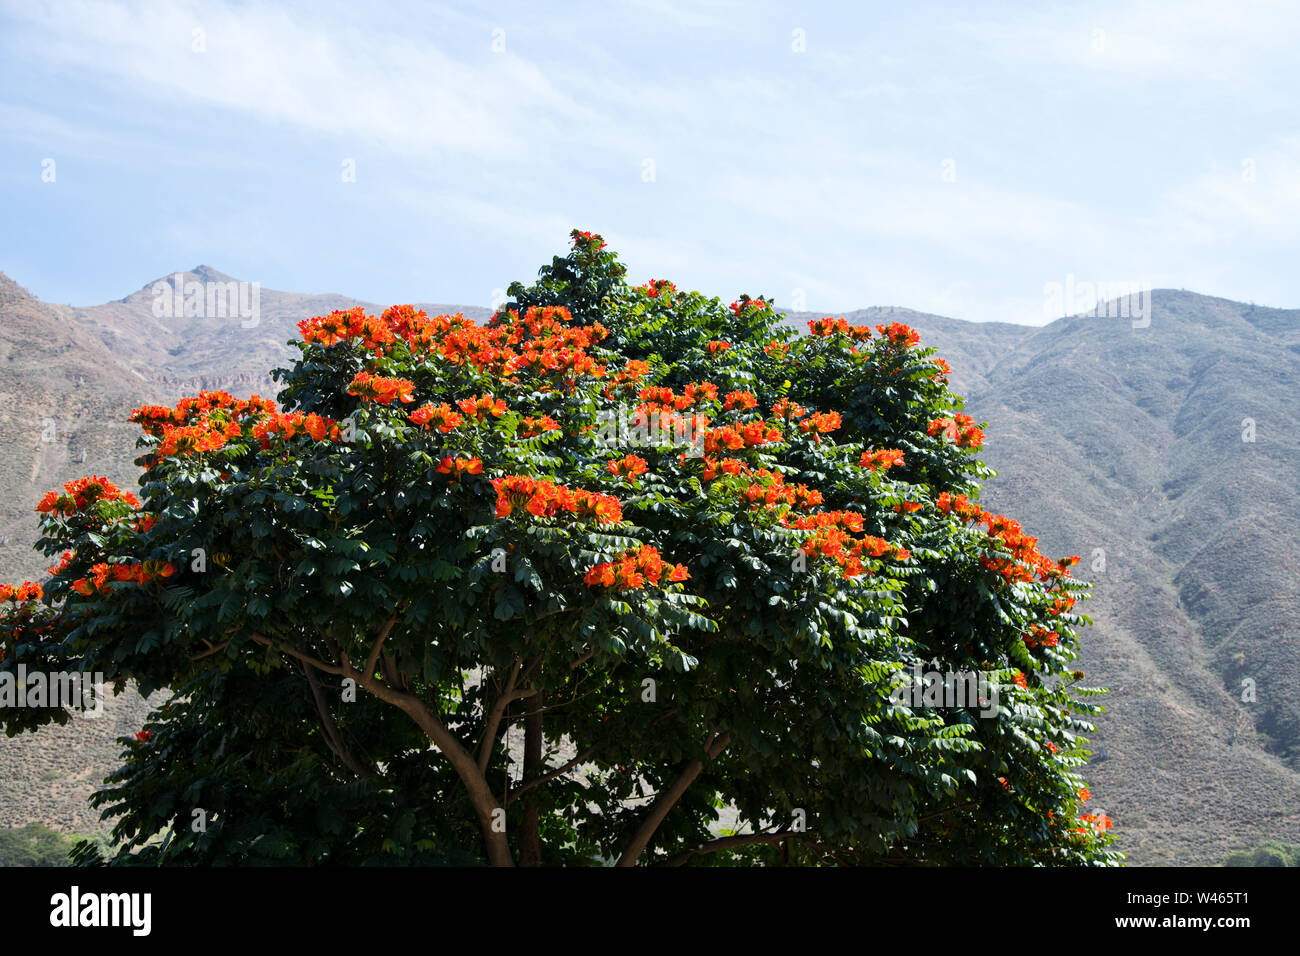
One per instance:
(218,348)
(64,398)
(1123,445)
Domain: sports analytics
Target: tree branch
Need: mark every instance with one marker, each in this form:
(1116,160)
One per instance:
(306,658)
(476,785)
(728,842)
(493,720)
(210,651)
(557,772)
(713,745)
(462,761)
(582,659)
(333,736)
(379,644)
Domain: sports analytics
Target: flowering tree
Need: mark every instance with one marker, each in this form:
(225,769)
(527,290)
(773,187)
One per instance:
(562,587)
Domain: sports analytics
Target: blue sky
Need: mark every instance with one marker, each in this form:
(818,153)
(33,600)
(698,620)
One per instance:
(949,158)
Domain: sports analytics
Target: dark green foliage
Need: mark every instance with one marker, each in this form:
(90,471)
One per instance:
(761,684)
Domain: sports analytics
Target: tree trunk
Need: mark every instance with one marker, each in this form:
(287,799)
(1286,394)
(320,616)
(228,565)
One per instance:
(530,845)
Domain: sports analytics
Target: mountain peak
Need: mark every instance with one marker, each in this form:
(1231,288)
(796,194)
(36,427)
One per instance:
(209,274)
(200,273)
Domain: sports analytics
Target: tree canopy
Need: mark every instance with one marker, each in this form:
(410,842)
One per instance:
(624,575)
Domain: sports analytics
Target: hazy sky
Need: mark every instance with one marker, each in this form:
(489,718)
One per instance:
(950,158)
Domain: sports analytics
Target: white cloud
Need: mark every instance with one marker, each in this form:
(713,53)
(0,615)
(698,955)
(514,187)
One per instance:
(276,66)
(1221,39)
(775,172)
(1260,196)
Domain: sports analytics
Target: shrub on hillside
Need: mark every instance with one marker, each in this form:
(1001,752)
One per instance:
(1272,853)
(34,845)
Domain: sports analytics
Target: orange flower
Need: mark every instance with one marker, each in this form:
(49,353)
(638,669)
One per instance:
(475,407)
(376,388)
(64,561)
(456,467)
(191,439)
(440,417)
(202,423)
(628,467)
(728,466)
(546,499)
(660,399)
(602,575)
(513,491)
(1039,635)
(531,427)
(316,426)
(21,593)
(945,425)
(591,504)
(960,429)
(80,492)
(828,326)
(627,379)
(699,392)
(881,460)
(589,241)
(821,423)
(1098,822)
(375,333)
(657,287)
(899,334)
(788,409)
(722,439)
(632,570)
(759,433)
